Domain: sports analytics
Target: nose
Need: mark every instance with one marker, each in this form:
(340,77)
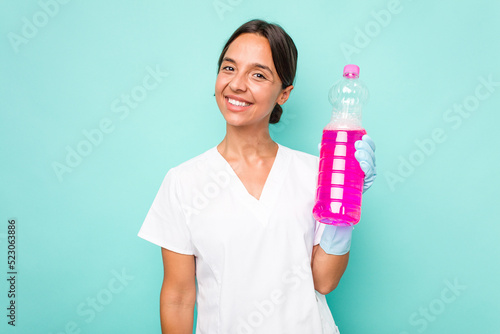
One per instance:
(238,82)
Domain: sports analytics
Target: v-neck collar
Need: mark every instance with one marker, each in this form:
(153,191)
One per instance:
(263,206)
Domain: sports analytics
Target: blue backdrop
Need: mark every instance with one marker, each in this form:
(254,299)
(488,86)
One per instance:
(98,99)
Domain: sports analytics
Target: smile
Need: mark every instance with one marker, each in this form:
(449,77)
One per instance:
(238,103)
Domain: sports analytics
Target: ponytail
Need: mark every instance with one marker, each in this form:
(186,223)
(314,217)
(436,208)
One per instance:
(276,114)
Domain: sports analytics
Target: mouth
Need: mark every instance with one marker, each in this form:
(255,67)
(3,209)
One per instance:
(237,104)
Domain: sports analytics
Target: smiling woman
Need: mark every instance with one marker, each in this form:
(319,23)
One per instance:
(278,65)
(251,241)
(249,85)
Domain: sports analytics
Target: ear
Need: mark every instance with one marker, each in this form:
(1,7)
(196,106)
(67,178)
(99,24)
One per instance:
(284,95)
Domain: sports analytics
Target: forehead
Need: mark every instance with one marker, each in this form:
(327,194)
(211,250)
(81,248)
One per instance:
(251,48)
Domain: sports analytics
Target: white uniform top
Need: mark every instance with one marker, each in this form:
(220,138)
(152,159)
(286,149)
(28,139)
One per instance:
(252,256)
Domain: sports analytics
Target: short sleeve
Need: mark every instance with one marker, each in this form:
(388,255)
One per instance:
(318,232)
(318,227)
(166,224)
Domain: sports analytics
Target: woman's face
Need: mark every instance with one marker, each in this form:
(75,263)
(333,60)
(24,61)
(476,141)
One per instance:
(248,86)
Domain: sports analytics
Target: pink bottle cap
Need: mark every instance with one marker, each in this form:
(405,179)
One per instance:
(351,71)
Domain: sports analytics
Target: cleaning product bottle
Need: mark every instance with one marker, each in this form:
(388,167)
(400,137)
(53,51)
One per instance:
(340,179)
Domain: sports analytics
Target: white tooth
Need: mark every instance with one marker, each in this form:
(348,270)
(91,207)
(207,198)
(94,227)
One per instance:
(238,103)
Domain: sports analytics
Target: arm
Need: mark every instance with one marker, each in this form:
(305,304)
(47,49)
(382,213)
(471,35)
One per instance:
(327,269)
(178,293)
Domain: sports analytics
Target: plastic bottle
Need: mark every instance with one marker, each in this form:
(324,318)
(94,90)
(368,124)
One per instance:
(340,179)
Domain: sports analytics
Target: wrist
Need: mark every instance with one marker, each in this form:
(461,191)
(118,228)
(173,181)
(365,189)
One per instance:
(336,240)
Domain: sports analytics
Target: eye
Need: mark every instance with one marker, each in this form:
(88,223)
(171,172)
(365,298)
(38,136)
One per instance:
(260,75)
(228,68)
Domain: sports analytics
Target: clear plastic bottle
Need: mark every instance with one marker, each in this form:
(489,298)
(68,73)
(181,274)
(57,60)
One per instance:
(340,179)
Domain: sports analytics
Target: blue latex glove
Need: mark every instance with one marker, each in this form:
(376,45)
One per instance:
(336,240)
(365,154)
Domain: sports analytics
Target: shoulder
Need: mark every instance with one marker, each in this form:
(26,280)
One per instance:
(302,171)
(194,166)
(183,182)
(301,159)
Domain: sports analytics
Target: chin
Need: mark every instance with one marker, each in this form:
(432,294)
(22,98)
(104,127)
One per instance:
(235,121)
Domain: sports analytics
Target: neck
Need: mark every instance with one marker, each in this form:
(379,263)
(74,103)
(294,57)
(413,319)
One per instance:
(247,142)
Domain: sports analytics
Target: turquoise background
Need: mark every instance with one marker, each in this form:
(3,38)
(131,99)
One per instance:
(423,228)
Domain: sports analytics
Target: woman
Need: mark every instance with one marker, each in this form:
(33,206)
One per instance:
(239,216)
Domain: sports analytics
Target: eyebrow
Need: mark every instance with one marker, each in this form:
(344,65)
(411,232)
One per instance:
(264,67)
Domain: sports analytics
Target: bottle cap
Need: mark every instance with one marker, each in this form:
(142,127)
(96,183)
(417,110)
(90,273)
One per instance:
(351,71)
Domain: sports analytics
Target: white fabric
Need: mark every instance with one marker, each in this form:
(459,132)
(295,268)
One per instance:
(252,256)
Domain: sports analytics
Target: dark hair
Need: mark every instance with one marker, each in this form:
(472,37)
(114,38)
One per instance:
(282,48)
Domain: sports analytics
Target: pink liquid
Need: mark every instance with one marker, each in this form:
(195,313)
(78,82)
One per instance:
(340,179)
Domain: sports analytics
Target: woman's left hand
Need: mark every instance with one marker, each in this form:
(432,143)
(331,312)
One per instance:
(365,154)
